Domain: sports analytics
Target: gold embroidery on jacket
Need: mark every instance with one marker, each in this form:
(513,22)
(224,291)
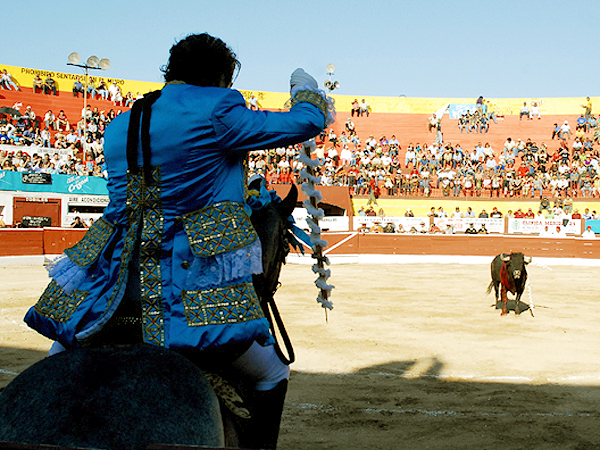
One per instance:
(225,305)
(86,251)
(218,228)
(56,304)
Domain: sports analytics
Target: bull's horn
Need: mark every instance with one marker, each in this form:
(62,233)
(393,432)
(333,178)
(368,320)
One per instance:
(504,257)
(527,259)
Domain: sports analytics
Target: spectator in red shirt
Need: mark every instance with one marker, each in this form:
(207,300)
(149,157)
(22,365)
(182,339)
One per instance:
(285,177)
(523,170)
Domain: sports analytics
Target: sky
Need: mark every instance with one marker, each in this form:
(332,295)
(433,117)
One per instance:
(424,48)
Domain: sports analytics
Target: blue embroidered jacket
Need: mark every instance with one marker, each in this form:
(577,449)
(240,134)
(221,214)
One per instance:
(196,248)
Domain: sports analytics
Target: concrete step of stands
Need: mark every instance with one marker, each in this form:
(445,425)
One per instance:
(413,128)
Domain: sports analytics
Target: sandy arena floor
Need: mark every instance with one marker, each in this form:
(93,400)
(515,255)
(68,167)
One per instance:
(413,357)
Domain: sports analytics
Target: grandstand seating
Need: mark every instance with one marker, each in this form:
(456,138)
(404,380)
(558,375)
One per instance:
(41,103)
(413,128)
(406,127)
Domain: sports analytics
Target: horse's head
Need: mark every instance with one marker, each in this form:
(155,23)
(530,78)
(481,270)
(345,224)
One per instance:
(272,227)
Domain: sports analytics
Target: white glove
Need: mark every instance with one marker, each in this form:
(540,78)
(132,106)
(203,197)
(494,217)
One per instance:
(300,78)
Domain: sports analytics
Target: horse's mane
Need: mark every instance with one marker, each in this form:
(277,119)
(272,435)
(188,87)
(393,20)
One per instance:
(273,229)
(272,226)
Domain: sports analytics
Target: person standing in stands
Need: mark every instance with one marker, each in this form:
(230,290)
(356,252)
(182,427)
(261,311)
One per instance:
(253,103)
(588,108)
(355,108)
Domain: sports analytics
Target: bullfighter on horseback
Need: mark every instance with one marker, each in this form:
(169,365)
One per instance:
(170,262)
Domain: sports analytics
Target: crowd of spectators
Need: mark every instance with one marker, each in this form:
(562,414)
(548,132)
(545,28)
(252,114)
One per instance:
(561,209)
(92,90)
(521,168)
(374,167)
(558,209)
(478,121)
(54,143)
(51,143)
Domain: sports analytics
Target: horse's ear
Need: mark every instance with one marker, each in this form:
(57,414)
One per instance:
(255,183)
(287,205)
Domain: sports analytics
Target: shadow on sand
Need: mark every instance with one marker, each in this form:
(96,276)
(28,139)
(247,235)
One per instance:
(382,407)
(511,306)
(385,407)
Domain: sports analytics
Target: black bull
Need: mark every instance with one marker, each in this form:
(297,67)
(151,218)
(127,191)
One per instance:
(509,274)
(120,398)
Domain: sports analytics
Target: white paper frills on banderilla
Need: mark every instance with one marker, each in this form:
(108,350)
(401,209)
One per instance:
(314,214)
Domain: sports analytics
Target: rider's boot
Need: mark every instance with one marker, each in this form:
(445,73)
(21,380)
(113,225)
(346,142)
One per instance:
(266,407)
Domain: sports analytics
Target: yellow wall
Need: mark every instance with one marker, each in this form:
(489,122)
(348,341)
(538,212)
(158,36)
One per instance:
(24,77)
(507,106)
(276,100)
(421,206)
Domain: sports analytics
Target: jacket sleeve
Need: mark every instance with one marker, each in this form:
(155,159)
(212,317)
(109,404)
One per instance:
(239,128)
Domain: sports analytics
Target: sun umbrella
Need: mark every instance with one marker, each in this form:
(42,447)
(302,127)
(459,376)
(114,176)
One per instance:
(11,111)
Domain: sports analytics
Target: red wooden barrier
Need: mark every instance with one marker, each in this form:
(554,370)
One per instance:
(477,245)
(20,241)
(57,240)
(37,241)
(48,241)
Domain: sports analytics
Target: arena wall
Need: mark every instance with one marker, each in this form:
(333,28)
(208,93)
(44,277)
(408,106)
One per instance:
(351,245)
(452,245)
(37,241)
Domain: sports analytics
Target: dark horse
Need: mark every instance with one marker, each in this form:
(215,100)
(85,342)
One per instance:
(129,397)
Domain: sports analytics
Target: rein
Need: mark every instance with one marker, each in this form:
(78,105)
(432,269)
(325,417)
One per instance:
(276,323)
(258,200)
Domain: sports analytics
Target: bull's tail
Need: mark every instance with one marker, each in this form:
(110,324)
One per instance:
(489,288)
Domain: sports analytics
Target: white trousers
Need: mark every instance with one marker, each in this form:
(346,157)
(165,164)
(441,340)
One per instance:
(262,366)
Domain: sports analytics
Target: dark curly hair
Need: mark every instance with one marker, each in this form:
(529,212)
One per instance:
(201,60)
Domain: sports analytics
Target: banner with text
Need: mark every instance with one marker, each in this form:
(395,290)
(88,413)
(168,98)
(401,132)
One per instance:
(61,184)
(459,225)
(544,226)
(419,223)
